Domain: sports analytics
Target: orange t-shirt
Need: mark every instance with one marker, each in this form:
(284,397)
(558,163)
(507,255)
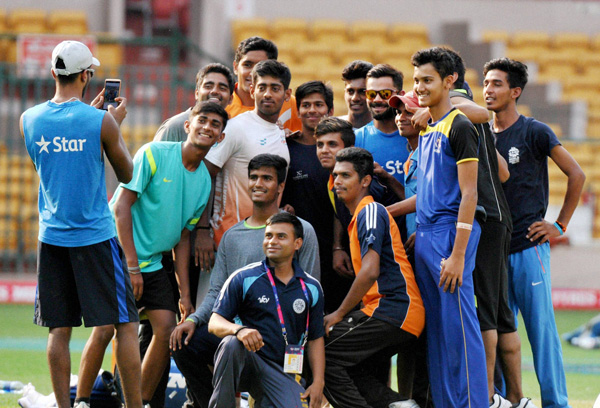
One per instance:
(395,296)
(288,115)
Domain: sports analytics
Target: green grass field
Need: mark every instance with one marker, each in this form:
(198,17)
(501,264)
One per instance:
(23,358)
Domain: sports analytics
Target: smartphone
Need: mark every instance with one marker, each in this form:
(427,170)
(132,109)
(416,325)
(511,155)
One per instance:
(112,88)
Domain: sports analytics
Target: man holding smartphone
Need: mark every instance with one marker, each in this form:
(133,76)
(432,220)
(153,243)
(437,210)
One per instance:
(81,267)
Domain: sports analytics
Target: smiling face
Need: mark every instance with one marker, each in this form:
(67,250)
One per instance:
(204,130)
(280,242)
(263,186)
(214,88)
(379,107)
(428,85)
(497,92)
(327,147)
(354,95)
(243,69)
(269,96)
(312,108)
(404,124)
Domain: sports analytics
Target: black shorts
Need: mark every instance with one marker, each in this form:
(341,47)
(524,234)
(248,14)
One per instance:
(88,281)
(490,279)
(158,292)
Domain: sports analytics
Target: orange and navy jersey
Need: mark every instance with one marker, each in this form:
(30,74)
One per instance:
(394,297)
(445,144)
(288,115)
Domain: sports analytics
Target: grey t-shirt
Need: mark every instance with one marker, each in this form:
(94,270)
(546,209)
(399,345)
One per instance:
(242,245)
(172,129)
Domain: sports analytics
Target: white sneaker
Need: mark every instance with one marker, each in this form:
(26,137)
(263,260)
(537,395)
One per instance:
(525,402)
(404,404)
(499,402)
(82,404)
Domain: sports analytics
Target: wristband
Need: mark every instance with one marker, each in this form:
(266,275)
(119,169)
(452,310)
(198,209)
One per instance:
(239,330)
(202,227)
(189,319)
(464,225)
(559,227)
(338,249)
(134,270)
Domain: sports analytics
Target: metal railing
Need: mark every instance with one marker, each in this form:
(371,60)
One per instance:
(154,93)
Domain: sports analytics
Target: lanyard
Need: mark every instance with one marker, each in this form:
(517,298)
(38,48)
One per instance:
(280,313)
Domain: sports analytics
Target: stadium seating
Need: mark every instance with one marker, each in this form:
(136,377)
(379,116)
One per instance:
(67,22)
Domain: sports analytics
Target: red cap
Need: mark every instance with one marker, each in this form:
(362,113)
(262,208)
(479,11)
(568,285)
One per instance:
(409,99)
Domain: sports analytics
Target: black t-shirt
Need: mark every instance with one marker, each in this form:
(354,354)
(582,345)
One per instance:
(306,191)
(526,146)
(489,188)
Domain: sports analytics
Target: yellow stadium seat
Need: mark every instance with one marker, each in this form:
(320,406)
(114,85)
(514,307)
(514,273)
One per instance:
(369,32)
(524,110)
(388,52)
(571,41)
(68,22)
(347,53)
(3,23)
(555,72)
(27,21)
(111,58)
(526,39)
(291,30)
(417,34)
(524,54)
(495,35)
(472,77)
(316,54)
(595,42)
(242,29)
(329,31)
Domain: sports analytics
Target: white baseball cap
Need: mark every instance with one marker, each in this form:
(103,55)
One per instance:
(76,56)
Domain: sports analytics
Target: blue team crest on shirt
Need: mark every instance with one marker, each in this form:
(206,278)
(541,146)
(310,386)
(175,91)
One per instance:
(262,141)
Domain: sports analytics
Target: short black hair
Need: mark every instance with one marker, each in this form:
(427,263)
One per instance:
(334,124)
(255,44)
(516,71)
(312,87)
(269,160)
(65,79)
(356,70)
(285,217)
(385,70)
(459,67)
(441,60)
(272,68)
(361,160)
(219,69)
(209,107)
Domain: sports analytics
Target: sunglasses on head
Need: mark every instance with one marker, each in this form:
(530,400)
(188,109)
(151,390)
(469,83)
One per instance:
(91,71)
(384,93)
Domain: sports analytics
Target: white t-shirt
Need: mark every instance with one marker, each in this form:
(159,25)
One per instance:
(246,136)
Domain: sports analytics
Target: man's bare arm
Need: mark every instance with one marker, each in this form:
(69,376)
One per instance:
(116,149)
(544,230)
(475,113)
(181,253)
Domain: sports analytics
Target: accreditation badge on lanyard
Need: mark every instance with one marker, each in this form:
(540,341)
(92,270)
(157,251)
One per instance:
(294,354)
